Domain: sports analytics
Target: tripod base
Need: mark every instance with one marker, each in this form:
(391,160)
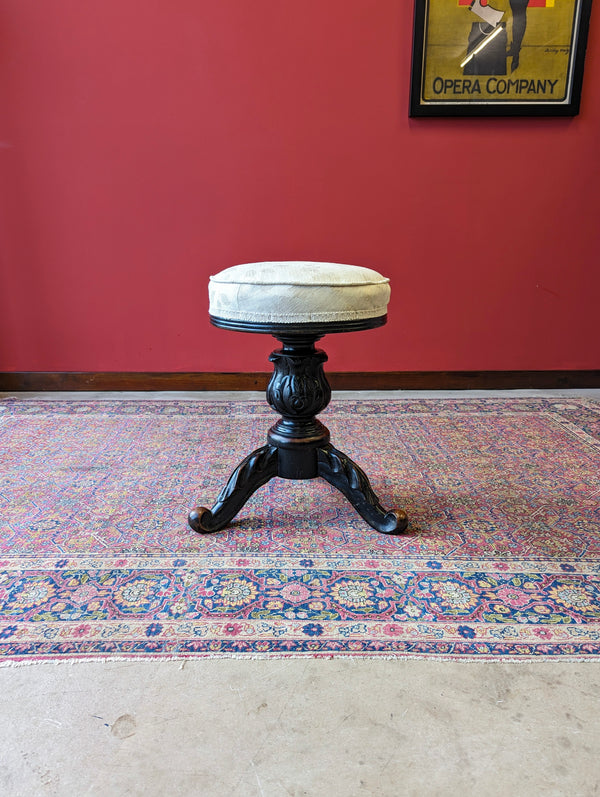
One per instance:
(262,465)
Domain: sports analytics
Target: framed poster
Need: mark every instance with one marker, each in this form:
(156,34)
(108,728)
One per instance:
(498,57)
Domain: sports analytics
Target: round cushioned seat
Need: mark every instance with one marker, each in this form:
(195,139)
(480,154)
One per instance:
(297,292)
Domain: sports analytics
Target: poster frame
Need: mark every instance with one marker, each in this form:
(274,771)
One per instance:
(473,107)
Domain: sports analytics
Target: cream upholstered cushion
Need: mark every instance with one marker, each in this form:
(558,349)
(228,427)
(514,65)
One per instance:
(292,292)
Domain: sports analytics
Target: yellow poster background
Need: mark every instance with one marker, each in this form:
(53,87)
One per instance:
(542,74)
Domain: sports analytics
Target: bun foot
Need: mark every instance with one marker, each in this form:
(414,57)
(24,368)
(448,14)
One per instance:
(200,519)
(395,522)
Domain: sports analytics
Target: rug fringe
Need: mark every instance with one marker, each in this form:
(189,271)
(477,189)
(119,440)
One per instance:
(183,660)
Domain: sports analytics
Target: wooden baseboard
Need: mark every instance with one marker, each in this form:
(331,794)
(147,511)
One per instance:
(41,381)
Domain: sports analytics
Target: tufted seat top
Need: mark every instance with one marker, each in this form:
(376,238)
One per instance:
(293,292)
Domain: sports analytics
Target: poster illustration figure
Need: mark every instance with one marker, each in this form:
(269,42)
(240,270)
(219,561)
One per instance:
(486,46)
(519,24)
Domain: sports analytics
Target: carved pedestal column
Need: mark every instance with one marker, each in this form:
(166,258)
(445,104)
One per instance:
(299,391)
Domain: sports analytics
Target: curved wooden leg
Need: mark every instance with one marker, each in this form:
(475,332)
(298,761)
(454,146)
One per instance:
(344,474)
(250,474)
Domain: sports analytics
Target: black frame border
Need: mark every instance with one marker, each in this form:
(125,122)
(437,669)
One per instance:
(419,109)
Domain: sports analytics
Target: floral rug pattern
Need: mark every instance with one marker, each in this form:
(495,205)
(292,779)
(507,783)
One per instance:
(501,559)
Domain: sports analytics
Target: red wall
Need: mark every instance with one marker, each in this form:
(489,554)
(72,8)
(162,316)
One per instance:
(144,146)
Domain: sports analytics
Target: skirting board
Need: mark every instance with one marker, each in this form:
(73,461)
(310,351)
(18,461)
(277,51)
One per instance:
(40,381)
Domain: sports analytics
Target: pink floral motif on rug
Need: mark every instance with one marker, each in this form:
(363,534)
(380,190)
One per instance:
(501,559)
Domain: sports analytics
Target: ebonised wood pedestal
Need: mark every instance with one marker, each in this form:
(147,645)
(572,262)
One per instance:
(298,444)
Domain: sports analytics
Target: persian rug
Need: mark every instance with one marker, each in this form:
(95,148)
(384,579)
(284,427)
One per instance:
(501,559)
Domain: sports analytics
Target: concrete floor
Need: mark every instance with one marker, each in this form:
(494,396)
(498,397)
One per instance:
(319,728)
